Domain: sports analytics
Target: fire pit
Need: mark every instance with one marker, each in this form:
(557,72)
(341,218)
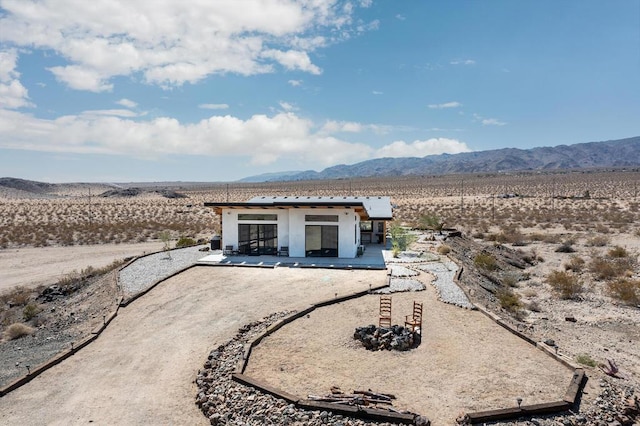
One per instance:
(396,337)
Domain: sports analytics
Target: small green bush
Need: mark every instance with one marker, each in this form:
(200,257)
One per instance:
(444,249)
(485,261)
(185,242)
(585,359)
(624,290)
(31,311)
(567,285)
(17,330)
(509,300)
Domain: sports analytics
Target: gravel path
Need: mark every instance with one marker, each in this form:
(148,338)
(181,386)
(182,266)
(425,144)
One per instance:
(143,272)
(448,291)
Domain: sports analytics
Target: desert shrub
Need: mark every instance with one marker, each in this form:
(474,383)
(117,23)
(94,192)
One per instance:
(608,269)
(444,249)
(565,248)
(598,241)
(17,330)
(533,306)
(626,291)
(510,279)
(575,264)
(485,261)
(618,252)
(509,300)
(31,311)
(567,285)
(585,359)
(185,242)
(547,238)
(529,292)
(20,296)
(401,237)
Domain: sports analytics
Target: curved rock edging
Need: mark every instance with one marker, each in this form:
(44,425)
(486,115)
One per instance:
(223,382)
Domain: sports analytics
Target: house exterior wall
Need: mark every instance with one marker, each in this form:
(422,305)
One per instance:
(348,238)
(291,228)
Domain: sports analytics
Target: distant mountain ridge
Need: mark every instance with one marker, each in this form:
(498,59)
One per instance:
(613,153)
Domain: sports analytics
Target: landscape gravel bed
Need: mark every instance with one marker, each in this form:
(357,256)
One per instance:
(402,271)
(448,291)
(402,284)
(145,271)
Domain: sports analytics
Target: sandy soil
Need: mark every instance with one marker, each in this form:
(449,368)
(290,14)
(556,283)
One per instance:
(141,369)
(31,267)
(464,363)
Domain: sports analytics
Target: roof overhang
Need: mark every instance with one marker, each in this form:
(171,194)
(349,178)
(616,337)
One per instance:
(358,206)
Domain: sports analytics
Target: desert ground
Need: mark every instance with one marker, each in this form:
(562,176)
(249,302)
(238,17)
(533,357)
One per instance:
(33,267)
(580,230)
(464,362)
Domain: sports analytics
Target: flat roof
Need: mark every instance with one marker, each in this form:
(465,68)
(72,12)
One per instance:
(375,208)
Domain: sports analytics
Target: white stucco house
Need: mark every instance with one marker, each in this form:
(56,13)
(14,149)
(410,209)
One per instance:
(303,226)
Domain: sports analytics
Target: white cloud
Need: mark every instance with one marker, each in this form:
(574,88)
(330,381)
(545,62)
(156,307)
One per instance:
(12,93)
(377,92)
(127,103)
(286,106)
(81,78)
(213,106)
(295,83)
(332,126)
(293,60)
(401,17)
(420,148)
(445,105)
(263,139)
(492,122)
(111,112)
(463,62)
(173,42)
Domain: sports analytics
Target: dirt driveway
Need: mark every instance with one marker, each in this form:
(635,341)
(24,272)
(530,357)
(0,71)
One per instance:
(141,369)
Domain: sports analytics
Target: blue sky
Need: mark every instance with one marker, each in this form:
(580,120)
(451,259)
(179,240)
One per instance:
(119,91)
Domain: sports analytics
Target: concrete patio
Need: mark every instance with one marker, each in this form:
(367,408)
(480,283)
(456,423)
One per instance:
(372,258)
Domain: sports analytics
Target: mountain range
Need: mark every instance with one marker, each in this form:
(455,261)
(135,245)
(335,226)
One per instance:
(607,154)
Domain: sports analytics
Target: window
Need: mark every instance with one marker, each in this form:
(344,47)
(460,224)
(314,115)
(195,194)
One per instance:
(366,226)
(321,241)
(257,238)
(257,216)
(321,218)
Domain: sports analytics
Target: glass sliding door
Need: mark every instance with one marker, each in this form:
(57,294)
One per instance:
(256,239)
(321,241)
